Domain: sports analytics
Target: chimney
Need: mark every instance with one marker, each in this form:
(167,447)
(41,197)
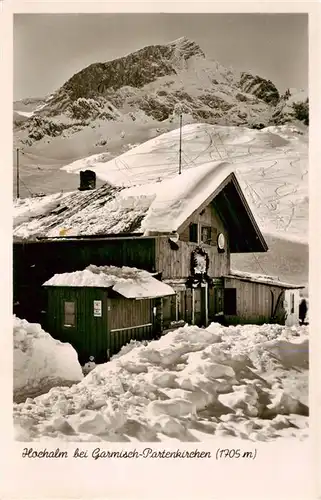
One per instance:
(87,180)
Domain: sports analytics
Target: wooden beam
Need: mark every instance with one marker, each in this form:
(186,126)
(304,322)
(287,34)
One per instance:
(193,306)
(206,305)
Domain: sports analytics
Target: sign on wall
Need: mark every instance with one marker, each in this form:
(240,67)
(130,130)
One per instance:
(97,308)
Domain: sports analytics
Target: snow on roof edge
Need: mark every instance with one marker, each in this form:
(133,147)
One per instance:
(261,278)
(127,281)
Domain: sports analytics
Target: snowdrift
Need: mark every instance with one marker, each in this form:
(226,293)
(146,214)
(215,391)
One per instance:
(192,384)
(40,362)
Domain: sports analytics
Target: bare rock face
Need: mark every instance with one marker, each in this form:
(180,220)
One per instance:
(261,88)
(134,70)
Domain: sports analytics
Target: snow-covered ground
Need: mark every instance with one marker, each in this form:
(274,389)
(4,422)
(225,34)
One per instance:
(192,384)
(41,362)
(272,165)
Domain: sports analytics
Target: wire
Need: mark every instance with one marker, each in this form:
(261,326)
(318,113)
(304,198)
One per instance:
(50,158)
(26,186)
(258,262)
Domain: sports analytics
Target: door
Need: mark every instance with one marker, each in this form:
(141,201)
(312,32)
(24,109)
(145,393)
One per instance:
(95,321)
(197,306)
(200,306)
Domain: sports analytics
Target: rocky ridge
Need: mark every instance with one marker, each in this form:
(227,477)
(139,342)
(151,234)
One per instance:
(147,86)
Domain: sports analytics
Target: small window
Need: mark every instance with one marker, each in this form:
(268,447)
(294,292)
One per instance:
(230,301)
(193,230)
(206,235)
(69,314)
(292,303)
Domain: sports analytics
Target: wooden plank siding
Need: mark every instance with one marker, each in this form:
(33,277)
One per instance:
(89,336)
(122,320)
(129,319)
(254,302)
(176,263)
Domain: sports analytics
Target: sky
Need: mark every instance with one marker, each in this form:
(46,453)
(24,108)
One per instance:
(50,48)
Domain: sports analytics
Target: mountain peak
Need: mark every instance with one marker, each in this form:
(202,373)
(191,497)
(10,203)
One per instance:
(186,47)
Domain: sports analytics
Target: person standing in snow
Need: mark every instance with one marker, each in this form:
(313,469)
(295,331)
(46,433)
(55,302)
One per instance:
(303,309)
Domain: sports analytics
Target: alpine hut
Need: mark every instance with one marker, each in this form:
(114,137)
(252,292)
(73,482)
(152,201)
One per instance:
(182,230)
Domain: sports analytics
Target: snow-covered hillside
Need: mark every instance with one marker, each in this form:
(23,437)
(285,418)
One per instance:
(111,106)
(271,164)
(249,382)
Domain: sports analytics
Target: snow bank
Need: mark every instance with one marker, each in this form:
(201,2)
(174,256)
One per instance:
(192,384)
(128,281)
(41,362)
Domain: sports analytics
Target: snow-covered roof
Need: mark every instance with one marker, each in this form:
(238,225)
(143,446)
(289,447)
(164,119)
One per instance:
(129,282)
(261,278)
(178,197)
(152,208)
(156,207)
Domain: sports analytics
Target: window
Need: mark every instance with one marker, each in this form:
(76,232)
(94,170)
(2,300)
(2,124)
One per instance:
(69,314)
(292,303)
(193,230)
(230,301)
(206,235)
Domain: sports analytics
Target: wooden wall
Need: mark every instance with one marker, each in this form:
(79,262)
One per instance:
(126,313)
(176,263)
(254,302)
(93,336)
(90,335)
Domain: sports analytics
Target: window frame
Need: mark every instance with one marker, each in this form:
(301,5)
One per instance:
(196,228)
(68,314)
(209,240)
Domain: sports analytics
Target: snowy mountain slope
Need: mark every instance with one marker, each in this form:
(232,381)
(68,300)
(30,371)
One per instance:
(108,107)
(249,382)
(30,105)
(271,164)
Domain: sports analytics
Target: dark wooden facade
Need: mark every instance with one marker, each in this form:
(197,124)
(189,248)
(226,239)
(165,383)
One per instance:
(35,262)
(100,335)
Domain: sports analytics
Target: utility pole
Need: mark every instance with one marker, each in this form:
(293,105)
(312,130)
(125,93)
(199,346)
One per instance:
(180,144)
(18,180)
